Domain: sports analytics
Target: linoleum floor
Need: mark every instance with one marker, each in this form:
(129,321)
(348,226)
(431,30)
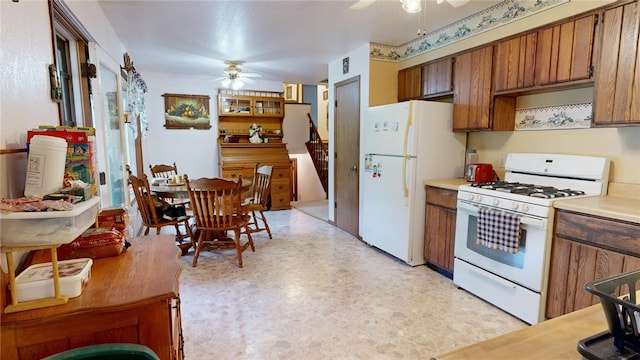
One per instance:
(316,292)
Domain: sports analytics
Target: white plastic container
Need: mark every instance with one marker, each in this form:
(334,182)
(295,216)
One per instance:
(36,281)
(47,228)
(45,165)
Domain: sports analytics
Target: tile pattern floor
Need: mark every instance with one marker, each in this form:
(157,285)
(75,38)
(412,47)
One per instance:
(316,292)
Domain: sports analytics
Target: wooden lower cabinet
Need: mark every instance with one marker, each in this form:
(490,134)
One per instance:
(586,248)
(127,300)
(240,159)
(440,229)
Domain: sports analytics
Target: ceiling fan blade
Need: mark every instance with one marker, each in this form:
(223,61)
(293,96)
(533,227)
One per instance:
(361,4)
(457,3)
(249,75)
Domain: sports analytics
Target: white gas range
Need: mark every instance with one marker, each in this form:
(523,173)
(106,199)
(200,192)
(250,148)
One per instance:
(509,268)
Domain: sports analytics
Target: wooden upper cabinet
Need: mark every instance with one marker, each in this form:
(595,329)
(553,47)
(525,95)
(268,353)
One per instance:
(564,51)
(617,73)
(437,78)
(410,83)
(514,63)
(472,90)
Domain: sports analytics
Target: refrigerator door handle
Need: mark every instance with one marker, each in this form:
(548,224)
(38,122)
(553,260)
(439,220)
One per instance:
(405,145)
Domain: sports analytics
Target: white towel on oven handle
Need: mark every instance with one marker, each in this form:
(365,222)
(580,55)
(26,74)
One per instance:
(498,230)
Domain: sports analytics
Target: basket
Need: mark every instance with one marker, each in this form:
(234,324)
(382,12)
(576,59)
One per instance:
(618,297)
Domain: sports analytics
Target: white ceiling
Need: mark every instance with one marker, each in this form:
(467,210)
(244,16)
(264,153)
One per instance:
(290,41)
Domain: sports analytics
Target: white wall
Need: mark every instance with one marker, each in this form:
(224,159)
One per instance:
(296,134)
(358,66)
(195,152)
(24,84)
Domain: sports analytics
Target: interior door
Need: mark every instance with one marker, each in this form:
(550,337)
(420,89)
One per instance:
(109,133)
(347,155)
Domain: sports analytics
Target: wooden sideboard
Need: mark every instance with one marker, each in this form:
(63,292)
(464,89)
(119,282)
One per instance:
(241,158)
(128,299)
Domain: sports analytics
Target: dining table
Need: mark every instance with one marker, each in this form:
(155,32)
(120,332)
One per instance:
(179,191)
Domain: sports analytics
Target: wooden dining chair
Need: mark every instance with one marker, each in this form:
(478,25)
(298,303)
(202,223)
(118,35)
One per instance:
(150,216)
(217,208)
(257,202)
(163,171)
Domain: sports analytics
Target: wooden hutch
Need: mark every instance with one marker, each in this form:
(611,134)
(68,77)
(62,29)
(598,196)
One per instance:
(237,111)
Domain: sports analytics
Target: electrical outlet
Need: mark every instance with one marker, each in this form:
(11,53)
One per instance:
(503,159)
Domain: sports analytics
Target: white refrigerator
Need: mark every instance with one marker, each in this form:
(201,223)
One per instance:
(405,144)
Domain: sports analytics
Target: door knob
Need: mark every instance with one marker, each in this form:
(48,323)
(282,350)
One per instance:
(354,168)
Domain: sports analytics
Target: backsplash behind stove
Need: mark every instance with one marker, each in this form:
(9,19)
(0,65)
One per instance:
(572,116)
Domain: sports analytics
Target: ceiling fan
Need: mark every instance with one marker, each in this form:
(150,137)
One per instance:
(361,4)
(233,77)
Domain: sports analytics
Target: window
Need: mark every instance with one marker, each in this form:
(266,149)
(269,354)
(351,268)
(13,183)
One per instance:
(72,63)
(67,113)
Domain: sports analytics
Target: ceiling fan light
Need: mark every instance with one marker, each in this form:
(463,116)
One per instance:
(411,6)
(237,84)
(226,82)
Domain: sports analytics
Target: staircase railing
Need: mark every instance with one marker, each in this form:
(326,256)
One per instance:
(319,151)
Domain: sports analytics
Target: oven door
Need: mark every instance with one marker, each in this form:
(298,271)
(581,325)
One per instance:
(527,267)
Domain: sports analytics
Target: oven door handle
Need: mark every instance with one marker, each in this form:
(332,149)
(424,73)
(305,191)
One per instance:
(525,220)
(538,223)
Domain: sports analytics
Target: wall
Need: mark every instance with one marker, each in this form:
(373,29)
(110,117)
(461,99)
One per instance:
(358,66)
(25,102)
(621,146)
(383,82)
(195,152)
(544,17)
(24,87)
(323,113)
(296,134)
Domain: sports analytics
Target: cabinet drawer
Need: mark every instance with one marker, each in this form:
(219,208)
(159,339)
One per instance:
(605,233)
(442,197)
(234,172)
(280,174)
(280,195)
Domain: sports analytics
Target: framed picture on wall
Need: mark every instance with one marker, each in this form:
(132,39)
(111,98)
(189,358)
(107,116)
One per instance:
(292,93)
(186,111)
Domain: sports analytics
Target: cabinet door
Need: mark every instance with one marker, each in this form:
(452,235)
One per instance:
(264,106)
(564,51)
(440,228)
(472,90)
(617,73)
(515,63)
(437,77)
(235,105)
(572,266)
(410,83)
(177,339)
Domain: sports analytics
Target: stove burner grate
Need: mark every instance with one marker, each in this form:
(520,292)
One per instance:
(539,191)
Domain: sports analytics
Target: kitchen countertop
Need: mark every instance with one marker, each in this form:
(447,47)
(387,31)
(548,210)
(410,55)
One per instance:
(613,207)
(552,339)
(450,184)
(622,203)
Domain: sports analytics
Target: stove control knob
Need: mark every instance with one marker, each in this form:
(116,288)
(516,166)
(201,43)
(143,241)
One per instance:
(496,202)
(515,206)
(525,208)
(479,198)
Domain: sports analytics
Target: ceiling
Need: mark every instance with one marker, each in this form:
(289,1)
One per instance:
(289,41)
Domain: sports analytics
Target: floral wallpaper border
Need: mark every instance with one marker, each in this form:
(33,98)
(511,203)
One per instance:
(573,116)
(497,15)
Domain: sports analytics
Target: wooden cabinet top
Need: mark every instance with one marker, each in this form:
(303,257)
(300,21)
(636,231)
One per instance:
(146,272)
(552,339)
(248,154)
